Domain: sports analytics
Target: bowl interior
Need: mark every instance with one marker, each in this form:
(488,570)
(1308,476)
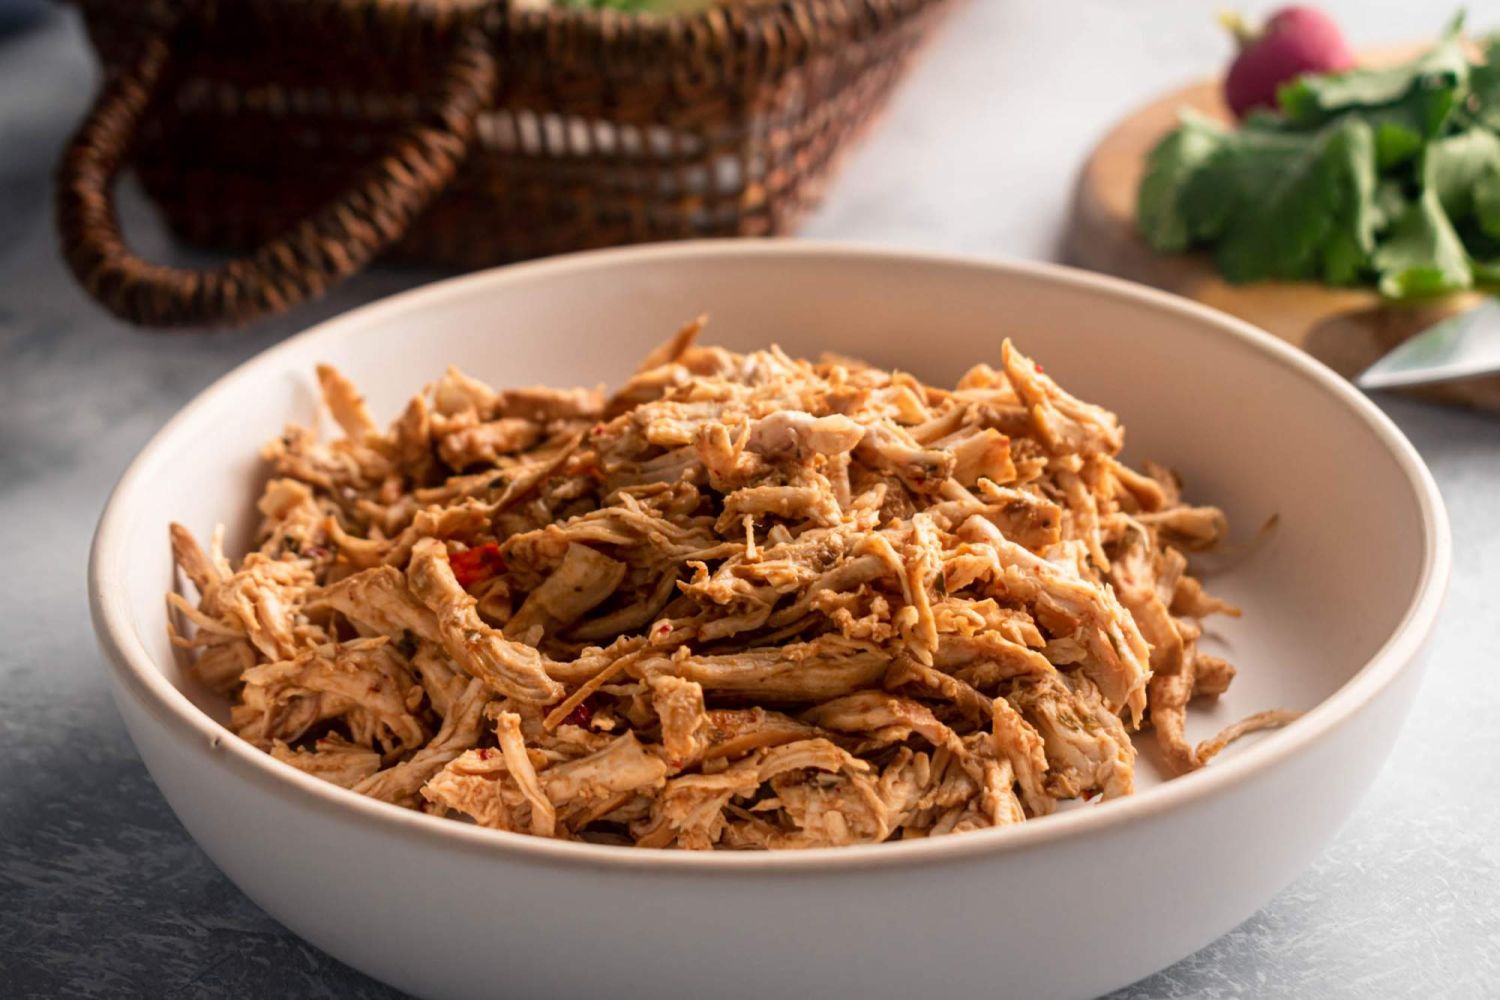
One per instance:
(1246,427)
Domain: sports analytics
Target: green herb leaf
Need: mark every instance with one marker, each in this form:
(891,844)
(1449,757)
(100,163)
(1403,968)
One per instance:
(1290,206)
(1486,274)
(1484,255)
(1487,203)
(1423,255)
(1406,104)
(1169,169)
(1401,128)
(1390,202)
(1484,85)
(1456,165)
(1310,100)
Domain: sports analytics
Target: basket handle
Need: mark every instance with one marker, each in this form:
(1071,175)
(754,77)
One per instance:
(324,248)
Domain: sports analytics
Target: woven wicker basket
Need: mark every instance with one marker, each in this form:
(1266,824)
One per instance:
(312,135)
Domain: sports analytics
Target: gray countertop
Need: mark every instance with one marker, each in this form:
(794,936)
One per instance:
(103,894)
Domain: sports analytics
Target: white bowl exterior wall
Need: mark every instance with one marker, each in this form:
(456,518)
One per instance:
(1067,919)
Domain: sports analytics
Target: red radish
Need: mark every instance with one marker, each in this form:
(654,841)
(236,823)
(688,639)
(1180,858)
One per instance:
(1296,40)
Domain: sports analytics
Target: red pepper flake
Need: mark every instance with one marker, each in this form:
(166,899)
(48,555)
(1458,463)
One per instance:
(477,564)
(597,430)
(581,715)
(1039,369)
(485,753)
(1088,796)
(665,628)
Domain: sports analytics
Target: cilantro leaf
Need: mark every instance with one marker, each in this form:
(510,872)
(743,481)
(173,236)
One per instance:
(1169,168)
(1484,257)
(1487,203)
(1285,205)
(1462,169)
(1423,255)
(1484,85)
(1487,274)
(1401,128)
(1390,202)
(1406,104)
(1312,99)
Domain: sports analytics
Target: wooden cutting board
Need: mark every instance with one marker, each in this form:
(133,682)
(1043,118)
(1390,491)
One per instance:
(1346,329)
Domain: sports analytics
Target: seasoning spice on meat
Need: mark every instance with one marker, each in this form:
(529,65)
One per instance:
(746,602)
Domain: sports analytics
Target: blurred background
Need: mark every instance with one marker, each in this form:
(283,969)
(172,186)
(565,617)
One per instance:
(976,151)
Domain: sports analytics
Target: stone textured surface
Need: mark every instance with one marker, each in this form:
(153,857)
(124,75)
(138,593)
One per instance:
(101,892)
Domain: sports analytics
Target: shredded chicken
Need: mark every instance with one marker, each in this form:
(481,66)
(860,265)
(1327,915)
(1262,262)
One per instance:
(748,602)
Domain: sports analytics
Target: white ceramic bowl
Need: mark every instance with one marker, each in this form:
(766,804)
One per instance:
(1339,603)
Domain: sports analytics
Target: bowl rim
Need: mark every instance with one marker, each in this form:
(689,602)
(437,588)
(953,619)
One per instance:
(137,675)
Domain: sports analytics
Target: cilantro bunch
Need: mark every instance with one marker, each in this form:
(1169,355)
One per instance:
(1387,177)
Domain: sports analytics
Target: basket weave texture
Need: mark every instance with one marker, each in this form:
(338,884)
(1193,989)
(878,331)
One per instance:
(312,135)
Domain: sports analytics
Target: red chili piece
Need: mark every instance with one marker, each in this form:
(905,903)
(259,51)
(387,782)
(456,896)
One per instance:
(477,564)
(581,716)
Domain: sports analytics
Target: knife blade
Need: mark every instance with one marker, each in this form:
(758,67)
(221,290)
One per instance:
(1461,346)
